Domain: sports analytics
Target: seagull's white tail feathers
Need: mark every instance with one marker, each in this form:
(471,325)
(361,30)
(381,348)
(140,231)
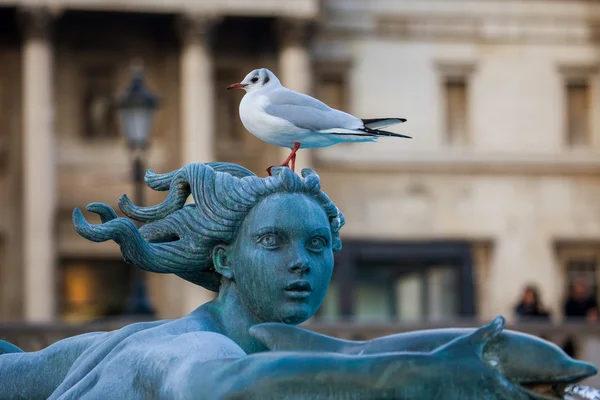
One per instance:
(379,123)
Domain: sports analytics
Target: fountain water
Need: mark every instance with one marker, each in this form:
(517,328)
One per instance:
(581,392)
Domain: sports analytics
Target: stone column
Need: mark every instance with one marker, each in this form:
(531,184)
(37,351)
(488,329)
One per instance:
(295,71)
(197,89)
(197,119)
(39,167)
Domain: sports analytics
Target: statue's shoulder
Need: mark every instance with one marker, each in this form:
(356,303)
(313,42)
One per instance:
(144,351)
(147,346)
(169,336)
(192,334)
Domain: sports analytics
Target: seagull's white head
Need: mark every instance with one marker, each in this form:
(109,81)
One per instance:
(259,79)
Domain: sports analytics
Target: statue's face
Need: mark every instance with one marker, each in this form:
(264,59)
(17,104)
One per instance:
(282,259)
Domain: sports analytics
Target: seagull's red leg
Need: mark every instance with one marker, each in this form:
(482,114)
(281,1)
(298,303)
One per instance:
(286,162)
(291,157)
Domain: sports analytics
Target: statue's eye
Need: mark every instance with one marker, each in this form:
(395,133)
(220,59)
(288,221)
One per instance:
(317,244)
(254,80)
(269,241)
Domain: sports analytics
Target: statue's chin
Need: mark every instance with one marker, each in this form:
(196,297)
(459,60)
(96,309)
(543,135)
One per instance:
(296,316)
(294,320)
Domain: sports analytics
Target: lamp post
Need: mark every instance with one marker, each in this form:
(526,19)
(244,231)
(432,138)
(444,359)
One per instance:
(136,111)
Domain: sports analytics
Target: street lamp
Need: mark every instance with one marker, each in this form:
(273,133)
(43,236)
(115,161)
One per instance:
(136,111)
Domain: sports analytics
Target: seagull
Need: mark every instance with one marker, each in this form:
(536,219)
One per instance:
(285,118)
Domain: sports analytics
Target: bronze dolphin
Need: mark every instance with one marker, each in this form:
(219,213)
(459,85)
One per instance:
(538,367)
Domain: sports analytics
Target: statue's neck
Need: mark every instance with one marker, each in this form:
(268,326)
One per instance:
(234,318)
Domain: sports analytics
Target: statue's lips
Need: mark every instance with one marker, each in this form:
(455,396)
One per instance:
(299,289)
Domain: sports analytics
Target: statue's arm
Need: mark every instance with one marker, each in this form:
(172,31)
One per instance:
(304,375)
(35,375)
(231,374)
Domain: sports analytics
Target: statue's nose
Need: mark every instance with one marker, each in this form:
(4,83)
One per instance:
(300,266)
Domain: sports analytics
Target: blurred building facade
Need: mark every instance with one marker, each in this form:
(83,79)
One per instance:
(499,187)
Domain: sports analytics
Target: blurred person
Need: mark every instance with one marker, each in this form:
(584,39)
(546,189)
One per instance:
(530,307)
(579,307)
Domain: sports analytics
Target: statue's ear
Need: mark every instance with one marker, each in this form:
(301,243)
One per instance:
(220,261)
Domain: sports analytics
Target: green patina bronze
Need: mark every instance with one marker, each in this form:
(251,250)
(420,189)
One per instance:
(266,246)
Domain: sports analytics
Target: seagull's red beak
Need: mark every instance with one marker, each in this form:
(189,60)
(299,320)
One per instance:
(236,86)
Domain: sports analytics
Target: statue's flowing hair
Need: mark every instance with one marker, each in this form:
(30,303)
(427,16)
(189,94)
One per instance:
(179,238)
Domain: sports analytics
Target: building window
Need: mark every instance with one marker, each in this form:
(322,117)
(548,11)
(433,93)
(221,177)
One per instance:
(407,291)
(383,282)
(456,110)
(578,112)
(93,288)
(580,262)
(99,112)
(455,80)
(585,268)
(578,99)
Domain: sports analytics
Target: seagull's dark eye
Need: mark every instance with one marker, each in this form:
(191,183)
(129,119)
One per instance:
(255,79)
